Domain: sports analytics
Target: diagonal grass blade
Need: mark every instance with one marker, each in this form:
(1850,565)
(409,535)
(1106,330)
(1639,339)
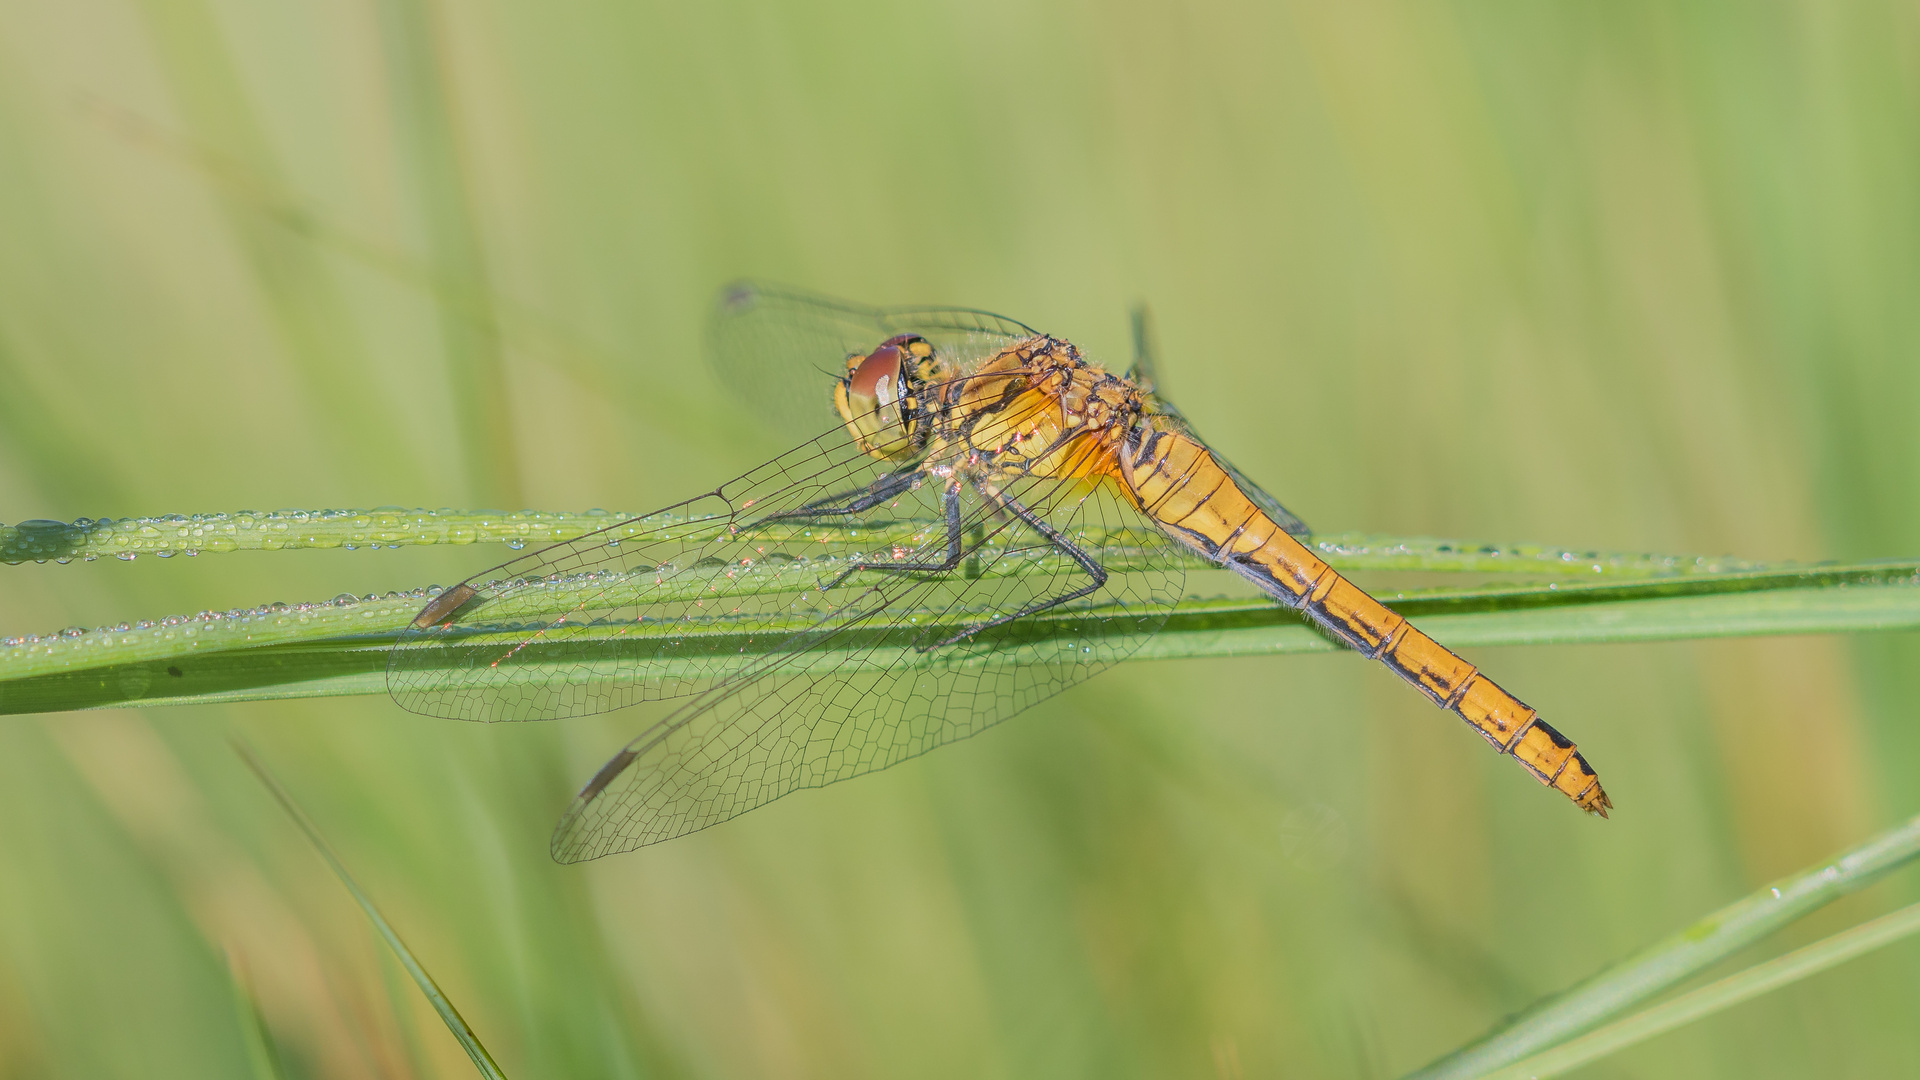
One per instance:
(1712,998)
(441,1004)
(1565,1016)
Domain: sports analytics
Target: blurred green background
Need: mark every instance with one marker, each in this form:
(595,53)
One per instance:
(1637,276)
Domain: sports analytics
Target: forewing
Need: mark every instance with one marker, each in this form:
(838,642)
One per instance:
(781,350)
(1145,374)
(882,682)
(598,623)
(653,607)
(1268,505)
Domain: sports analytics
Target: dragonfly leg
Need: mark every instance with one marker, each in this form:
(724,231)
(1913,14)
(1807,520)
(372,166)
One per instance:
(1096,574)
(955,549)
(857,501)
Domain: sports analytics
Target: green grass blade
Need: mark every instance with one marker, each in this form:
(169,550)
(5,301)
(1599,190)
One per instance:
(88,539)
(1728,992)
(339,647)
(1564,1017)
(441,1004)
(416,47)
(262,1059)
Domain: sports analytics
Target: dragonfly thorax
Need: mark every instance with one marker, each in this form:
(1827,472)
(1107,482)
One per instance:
(1090,400)
(1037,408)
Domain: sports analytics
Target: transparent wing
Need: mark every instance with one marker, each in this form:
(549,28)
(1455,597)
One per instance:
(893,671)
(652,607)
(782,349)
(588,625)
(1268,505)
(1144,375)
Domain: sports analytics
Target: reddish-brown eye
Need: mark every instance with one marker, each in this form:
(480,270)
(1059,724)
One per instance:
(878,376)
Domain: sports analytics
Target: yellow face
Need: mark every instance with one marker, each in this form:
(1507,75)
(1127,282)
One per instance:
(880,397)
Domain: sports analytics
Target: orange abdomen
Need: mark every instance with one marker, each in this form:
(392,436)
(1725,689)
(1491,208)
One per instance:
(1177,483)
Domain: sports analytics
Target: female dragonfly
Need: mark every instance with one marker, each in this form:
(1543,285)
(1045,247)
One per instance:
(1027,515)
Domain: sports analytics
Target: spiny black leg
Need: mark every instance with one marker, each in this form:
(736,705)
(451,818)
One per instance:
(954,548)
(858,501)
(1094,570)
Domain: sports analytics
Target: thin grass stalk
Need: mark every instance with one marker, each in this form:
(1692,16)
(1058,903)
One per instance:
(1580,1009)
(262,1059)
(443,1005)
(428,129)
(1714,997)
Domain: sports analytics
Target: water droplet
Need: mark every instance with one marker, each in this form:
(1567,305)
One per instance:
(163,554)
(516,544)
(125,556)
(346,598)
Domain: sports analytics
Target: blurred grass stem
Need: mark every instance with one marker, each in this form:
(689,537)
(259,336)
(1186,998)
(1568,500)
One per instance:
(441,1004)
(1559,1019)
(1712,998)
(427,131)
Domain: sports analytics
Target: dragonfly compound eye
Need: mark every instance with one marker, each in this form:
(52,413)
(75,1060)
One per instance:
(871,401)
(877,377)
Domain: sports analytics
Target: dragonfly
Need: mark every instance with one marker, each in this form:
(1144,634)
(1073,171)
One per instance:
(993,519)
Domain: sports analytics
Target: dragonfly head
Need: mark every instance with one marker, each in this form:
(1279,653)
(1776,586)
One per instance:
(882,397)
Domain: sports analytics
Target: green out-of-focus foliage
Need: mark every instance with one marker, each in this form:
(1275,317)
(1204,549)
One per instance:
(1631,277)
